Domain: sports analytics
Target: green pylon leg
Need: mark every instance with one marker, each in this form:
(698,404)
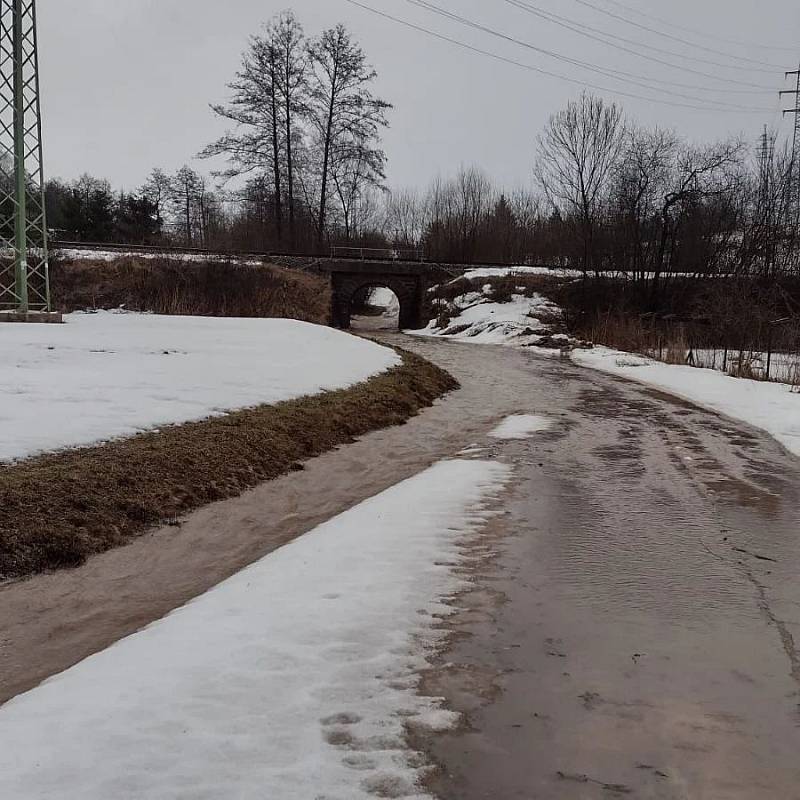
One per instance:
(21,222)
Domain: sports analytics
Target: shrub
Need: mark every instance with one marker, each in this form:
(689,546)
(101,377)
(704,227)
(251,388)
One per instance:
(170,286)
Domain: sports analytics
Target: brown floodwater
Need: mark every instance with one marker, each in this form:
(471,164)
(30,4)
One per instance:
(634,633)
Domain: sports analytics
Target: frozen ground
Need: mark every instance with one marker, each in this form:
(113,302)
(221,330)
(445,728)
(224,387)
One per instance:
(293,680)
(108,375)
(773,407)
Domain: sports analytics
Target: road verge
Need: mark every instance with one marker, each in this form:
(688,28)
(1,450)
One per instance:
(58,509)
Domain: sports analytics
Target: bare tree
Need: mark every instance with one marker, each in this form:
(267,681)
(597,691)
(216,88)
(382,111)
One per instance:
(577,152)
(640,183)
(292,56)
(268,94)
(254,147)
(353,176)
(345,116)
(187,187)
(405,217)
(157,191)
(458,213)
(699,175)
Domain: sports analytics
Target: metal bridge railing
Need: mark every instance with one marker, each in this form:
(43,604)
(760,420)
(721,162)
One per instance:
(377,254)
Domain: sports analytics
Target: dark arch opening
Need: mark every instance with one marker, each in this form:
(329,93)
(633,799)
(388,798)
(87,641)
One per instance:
(346,286)
(375,307)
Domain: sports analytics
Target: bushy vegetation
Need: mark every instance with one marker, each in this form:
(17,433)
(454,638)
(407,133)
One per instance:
(742,325)
(166,286)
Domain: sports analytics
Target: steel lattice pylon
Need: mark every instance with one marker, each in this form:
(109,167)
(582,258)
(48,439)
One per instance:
(24,278)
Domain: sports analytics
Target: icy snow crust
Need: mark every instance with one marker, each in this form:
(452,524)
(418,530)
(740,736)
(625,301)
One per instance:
(773,407)
(109,375)
(293,680)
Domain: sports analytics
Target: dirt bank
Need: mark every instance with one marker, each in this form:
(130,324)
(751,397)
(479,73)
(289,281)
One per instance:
(172,286)
(101,497)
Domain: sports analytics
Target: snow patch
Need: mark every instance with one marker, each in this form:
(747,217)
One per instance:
(107,375)
(79,254)
(501,272)
(523,321)
(294,679)
(521,426)
(773,407)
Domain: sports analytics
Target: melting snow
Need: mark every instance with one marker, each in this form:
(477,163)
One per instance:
(773,407)
(76,254)
(520,426)
(522,321)
(108,375)
(293,680)
(500,272)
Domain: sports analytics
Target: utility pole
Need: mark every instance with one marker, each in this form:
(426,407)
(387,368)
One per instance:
(24,270)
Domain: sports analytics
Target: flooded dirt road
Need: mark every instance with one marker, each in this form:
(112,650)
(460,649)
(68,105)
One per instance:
(635,634)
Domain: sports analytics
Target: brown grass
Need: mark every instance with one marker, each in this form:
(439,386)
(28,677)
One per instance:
(169,286)
(56,510)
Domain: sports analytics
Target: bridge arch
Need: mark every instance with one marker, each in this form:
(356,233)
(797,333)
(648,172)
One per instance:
(409,290)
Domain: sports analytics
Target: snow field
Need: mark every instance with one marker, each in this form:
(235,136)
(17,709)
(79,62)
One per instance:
(773,407)
(294,679)
(108,375)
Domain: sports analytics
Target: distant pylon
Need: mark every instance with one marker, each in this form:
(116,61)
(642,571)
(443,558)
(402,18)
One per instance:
(24,278)
(794,164)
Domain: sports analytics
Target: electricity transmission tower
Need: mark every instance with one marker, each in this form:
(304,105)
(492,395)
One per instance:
(793,199)
(24,278)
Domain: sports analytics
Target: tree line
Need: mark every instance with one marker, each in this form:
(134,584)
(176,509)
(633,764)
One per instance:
(304,168)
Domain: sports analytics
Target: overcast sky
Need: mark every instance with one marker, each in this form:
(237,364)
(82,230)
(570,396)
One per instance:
(127,83)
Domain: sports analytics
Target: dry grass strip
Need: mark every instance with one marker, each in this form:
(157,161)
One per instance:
(57,510)
(169,286)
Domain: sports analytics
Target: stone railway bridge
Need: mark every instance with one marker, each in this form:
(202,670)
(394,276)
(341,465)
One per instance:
(409,280)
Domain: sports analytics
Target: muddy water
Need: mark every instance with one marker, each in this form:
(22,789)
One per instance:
(53,621)
(634,635)
(638,633)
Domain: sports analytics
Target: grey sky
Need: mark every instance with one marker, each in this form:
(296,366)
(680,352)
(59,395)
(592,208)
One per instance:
(127,83)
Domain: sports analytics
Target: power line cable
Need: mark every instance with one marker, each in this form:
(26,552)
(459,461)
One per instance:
(696,32)
(589,32)
(443,12)
(657,32)
(631,79)
(530,67)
